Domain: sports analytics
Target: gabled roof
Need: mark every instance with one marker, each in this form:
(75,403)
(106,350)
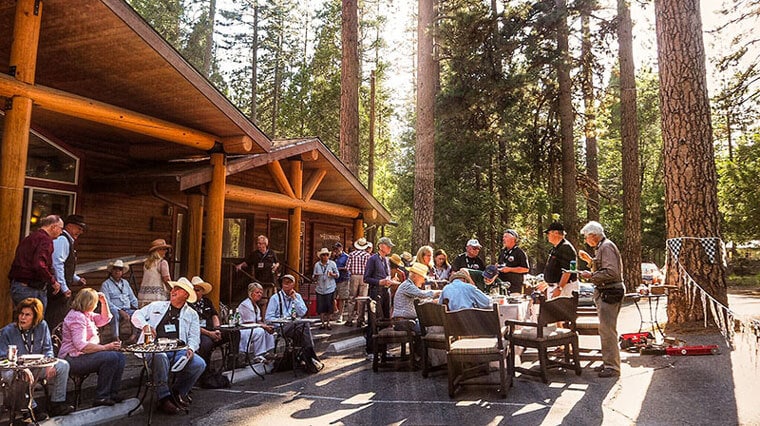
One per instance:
(103,50)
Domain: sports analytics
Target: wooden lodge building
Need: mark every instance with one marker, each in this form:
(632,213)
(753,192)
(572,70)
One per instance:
(102,117)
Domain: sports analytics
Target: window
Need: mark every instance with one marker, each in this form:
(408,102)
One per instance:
(235,232)
(39,203)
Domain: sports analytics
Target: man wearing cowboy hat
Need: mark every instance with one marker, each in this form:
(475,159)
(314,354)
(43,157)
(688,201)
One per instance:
(173,319)
(357,261)
(121,299)
(325,272)
(64,264)
(208,318)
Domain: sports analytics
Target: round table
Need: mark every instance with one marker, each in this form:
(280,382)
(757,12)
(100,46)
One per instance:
(23,370)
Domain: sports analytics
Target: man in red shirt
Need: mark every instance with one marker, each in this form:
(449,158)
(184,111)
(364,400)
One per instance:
(32,268)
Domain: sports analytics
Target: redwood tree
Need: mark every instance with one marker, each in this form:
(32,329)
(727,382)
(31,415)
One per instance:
(691,203)
(424,156)
(349,87)
(629,136)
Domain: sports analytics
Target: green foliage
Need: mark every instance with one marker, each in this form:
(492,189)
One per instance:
(737,191)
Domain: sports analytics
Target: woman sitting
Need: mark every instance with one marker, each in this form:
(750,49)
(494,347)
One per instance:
(442,268)
(80,346)
(257,340)
(31,335)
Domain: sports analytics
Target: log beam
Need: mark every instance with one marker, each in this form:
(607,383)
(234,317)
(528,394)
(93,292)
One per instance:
(313,183)
(238,144)
(294,217)
(312,155)
(101,112)
(212,266)
(358,228)
(273,199)
(15,140)
(278,174)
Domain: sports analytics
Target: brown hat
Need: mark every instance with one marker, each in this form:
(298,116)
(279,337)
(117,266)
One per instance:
(396,260)
(158,245)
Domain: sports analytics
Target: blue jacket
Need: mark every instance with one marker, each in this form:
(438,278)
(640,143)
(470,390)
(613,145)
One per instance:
(41,344)
(377,269)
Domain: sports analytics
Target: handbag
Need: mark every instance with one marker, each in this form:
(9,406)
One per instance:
(612,295)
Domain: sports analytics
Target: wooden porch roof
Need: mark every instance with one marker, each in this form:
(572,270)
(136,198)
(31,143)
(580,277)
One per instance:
(103,50)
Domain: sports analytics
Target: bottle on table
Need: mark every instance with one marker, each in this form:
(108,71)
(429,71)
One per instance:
(231,318)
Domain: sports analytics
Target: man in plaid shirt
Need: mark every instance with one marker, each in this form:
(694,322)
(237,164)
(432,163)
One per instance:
(357,261)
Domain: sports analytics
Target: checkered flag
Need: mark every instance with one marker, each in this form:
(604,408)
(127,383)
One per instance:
(674,245)
(710,246)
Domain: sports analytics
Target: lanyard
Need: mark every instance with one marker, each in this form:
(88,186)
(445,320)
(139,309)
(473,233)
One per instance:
(30,344)
(118,285)
(288,304)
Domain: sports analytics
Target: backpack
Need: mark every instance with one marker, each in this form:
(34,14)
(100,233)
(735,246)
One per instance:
(215,380)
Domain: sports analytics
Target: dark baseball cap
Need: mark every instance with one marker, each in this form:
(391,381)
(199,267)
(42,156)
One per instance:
(555,226)
(490,272)
(76,220)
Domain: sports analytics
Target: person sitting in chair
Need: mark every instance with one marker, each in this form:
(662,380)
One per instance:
(121,299)
(462,293)
(258,340)
(30,334)
(288,303)
(173,319)
(208,318)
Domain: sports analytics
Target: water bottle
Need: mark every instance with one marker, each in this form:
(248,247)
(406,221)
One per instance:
(573,265)
(237,318)
(293,313)
(231,318)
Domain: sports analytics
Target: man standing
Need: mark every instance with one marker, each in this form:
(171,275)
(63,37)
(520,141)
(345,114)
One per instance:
(469,259)
(342,291)
(377,275)
(173,319)
(121,299)
(31,272)
(64,265)
(356,263)
(560,256)
(513,263)
(263,264)
(606,274)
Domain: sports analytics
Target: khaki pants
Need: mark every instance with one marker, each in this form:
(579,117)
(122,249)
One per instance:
(357,288)
(608,315)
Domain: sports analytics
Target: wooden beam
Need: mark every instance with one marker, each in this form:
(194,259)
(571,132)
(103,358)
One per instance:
(212,265)
(273,199)
(312,155)
(370,215)
(313,183)
(358,229)
(296,177)
(15,140)
(294,239)
(238,144)
(275,169)
(101,112)
(194,234)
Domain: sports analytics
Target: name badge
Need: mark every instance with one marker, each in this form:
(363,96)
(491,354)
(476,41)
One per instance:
(170,328)
(202,323)
(261,265)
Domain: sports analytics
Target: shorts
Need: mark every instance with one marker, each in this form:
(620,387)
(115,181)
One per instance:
(325,303)
(343,290)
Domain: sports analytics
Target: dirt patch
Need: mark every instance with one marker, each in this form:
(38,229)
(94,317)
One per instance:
(692,327)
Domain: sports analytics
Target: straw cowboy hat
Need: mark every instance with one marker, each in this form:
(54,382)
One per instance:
(396,260)
(198,282)
(118,264)
(184,284)
(419,268)
(324,250)
(158,245)
(361,244)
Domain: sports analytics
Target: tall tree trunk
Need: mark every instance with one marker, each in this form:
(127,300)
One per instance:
(629,136)
(424,156)
(371,147)
(569,214)
(208,51)
(589,128)
(276,88)
(349,86)
(255,63)
(691,201)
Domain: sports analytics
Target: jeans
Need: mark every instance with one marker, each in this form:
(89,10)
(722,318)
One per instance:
(183,380)
(108,364)
(20,292)
(608,315)
(115,318)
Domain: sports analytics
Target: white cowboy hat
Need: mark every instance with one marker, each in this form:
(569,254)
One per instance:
(119,264)
(361,244)
(198,281)
(186,285)
(419,268)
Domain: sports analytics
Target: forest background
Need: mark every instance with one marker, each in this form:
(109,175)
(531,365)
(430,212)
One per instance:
(497,146)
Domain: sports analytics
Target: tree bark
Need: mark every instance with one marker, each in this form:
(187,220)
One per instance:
(424,166)
(255,63)
(589,128)
(349,87)
(208,48)
(629,136)
(569,214)
(691,202)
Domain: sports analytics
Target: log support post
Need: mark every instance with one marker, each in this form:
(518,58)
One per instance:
(294,216)
(15,141)
(212,266)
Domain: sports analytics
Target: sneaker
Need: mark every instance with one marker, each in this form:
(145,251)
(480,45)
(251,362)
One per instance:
(60,409)
(608,372)
(108,402)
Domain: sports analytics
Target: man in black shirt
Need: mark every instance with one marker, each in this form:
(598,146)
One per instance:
(263,265)
(560,256)
(469,259)
(513,262)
